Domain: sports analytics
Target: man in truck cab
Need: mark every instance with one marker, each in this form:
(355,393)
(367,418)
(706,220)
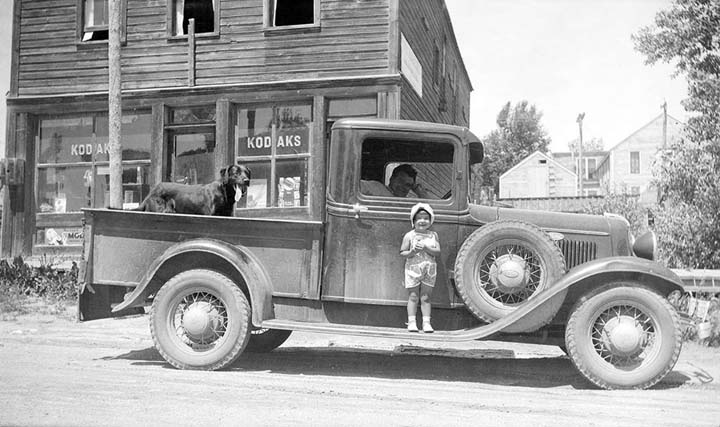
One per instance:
(402,181)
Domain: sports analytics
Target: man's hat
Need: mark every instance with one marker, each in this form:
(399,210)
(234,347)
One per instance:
(421,207)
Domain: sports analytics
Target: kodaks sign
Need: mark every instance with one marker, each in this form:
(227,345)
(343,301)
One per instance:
(285,142)
(89,149)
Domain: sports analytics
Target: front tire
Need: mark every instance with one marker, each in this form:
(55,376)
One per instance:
(624,337)
(266,340)
(200,320)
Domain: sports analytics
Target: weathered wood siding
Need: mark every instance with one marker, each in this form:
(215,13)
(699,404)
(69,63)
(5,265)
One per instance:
(426,25)
(353,41)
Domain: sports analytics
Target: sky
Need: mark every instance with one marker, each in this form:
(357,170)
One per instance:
(564,56)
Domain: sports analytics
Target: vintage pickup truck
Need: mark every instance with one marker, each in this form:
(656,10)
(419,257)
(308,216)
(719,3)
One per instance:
(219,286)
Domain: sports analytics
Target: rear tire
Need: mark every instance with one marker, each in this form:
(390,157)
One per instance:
(266,340)
(200,320)
(624,337)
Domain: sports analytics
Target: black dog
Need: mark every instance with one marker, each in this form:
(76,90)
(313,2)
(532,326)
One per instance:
(217,198)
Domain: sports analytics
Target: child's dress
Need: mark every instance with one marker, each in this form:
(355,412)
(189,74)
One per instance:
(421,268)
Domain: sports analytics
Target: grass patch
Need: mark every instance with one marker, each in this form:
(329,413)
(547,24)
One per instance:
(25,288)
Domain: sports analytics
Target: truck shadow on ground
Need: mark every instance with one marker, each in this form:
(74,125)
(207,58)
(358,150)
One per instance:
(542,372)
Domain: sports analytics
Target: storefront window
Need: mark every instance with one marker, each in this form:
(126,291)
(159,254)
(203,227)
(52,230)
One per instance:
(73,162)
(191,135)
(275,143)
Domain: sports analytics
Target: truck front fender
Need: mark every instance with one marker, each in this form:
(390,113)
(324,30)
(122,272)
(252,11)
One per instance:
(257,284)
(582,278)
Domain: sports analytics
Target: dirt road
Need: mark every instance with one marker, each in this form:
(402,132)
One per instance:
(58,372)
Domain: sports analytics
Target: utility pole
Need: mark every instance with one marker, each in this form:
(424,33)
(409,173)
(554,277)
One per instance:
(114,105)
(579,120)
(664,108)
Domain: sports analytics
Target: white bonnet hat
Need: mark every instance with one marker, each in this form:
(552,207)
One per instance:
(421,207)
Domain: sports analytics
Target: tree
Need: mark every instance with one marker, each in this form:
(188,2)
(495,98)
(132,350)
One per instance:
(593,144)
(687,175)
(518,135)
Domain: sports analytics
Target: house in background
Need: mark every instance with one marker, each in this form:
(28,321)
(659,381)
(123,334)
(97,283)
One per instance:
(628,165)
(590,160)
(538,175)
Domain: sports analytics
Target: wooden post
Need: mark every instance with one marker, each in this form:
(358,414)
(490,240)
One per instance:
(115,106)
(191,52)
(580,118)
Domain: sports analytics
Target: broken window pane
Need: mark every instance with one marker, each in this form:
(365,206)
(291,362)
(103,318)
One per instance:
(203,11)
(292,12)
(95,20)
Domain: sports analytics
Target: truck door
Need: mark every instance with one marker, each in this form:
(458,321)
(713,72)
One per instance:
(367,222)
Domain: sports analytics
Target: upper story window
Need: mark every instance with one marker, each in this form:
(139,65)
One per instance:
(206,14)
(634,162)
(285,13)
(94,20)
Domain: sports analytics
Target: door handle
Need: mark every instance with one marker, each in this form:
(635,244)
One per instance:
(357,208)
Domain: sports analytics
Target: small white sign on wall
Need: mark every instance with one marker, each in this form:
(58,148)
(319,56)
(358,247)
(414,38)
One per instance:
(410,66)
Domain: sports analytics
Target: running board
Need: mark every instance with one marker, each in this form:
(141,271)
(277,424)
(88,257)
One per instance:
(379,331)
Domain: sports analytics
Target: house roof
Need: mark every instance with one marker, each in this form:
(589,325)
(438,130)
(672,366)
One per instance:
(535,155)
(638,130)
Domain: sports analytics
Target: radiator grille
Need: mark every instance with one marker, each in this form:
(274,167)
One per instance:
(577,252)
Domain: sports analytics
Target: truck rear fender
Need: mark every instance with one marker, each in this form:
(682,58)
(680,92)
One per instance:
(236,262)
(586,277)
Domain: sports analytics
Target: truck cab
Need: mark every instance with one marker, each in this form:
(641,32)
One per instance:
(217,287)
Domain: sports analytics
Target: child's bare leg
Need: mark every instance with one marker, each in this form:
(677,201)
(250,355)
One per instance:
(412,308)
(413,301)
(425,306)
(425,293)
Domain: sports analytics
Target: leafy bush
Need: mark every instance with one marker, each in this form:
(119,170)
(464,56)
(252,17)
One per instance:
(18,281)
(620,203)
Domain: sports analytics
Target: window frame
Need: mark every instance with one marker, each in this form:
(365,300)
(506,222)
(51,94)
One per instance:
(170,15)
(274,158)
(634,171)
(80,24)
(172,129)
(419,138)
(270,28)
(72,219)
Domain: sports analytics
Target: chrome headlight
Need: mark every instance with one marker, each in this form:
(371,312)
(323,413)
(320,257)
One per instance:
(645,246)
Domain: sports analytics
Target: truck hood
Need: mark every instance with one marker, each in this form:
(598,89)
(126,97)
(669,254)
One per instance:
(550,221)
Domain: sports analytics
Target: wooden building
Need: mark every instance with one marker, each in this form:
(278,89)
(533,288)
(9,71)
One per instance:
(538,175)
(628,166)
(258,82)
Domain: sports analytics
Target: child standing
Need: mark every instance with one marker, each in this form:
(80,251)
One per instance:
(420,246)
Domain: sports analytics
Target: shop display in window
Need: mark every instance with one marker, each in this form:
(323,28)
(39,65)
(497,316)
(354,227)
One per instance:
(275,143)
(67,236)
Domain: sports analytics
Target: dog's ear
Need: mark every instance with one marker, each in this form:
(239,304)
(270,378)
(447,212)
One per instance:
(223,175)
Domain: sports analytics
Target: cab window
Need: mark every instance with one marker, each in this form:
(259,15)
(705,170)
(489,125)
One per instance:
(406,169)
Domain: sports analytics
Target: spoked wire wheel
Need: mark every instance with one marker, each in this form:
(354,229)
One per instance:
(510,273)
(503,265)
(623,336)
(200,320)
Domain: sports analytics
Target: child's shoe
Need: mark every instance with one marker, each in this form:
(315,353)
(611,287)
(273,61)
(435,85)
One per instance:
(412,324)
(427,328)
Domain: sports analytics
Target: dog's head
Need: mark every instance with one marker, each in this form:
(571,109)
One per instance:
(238,177)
